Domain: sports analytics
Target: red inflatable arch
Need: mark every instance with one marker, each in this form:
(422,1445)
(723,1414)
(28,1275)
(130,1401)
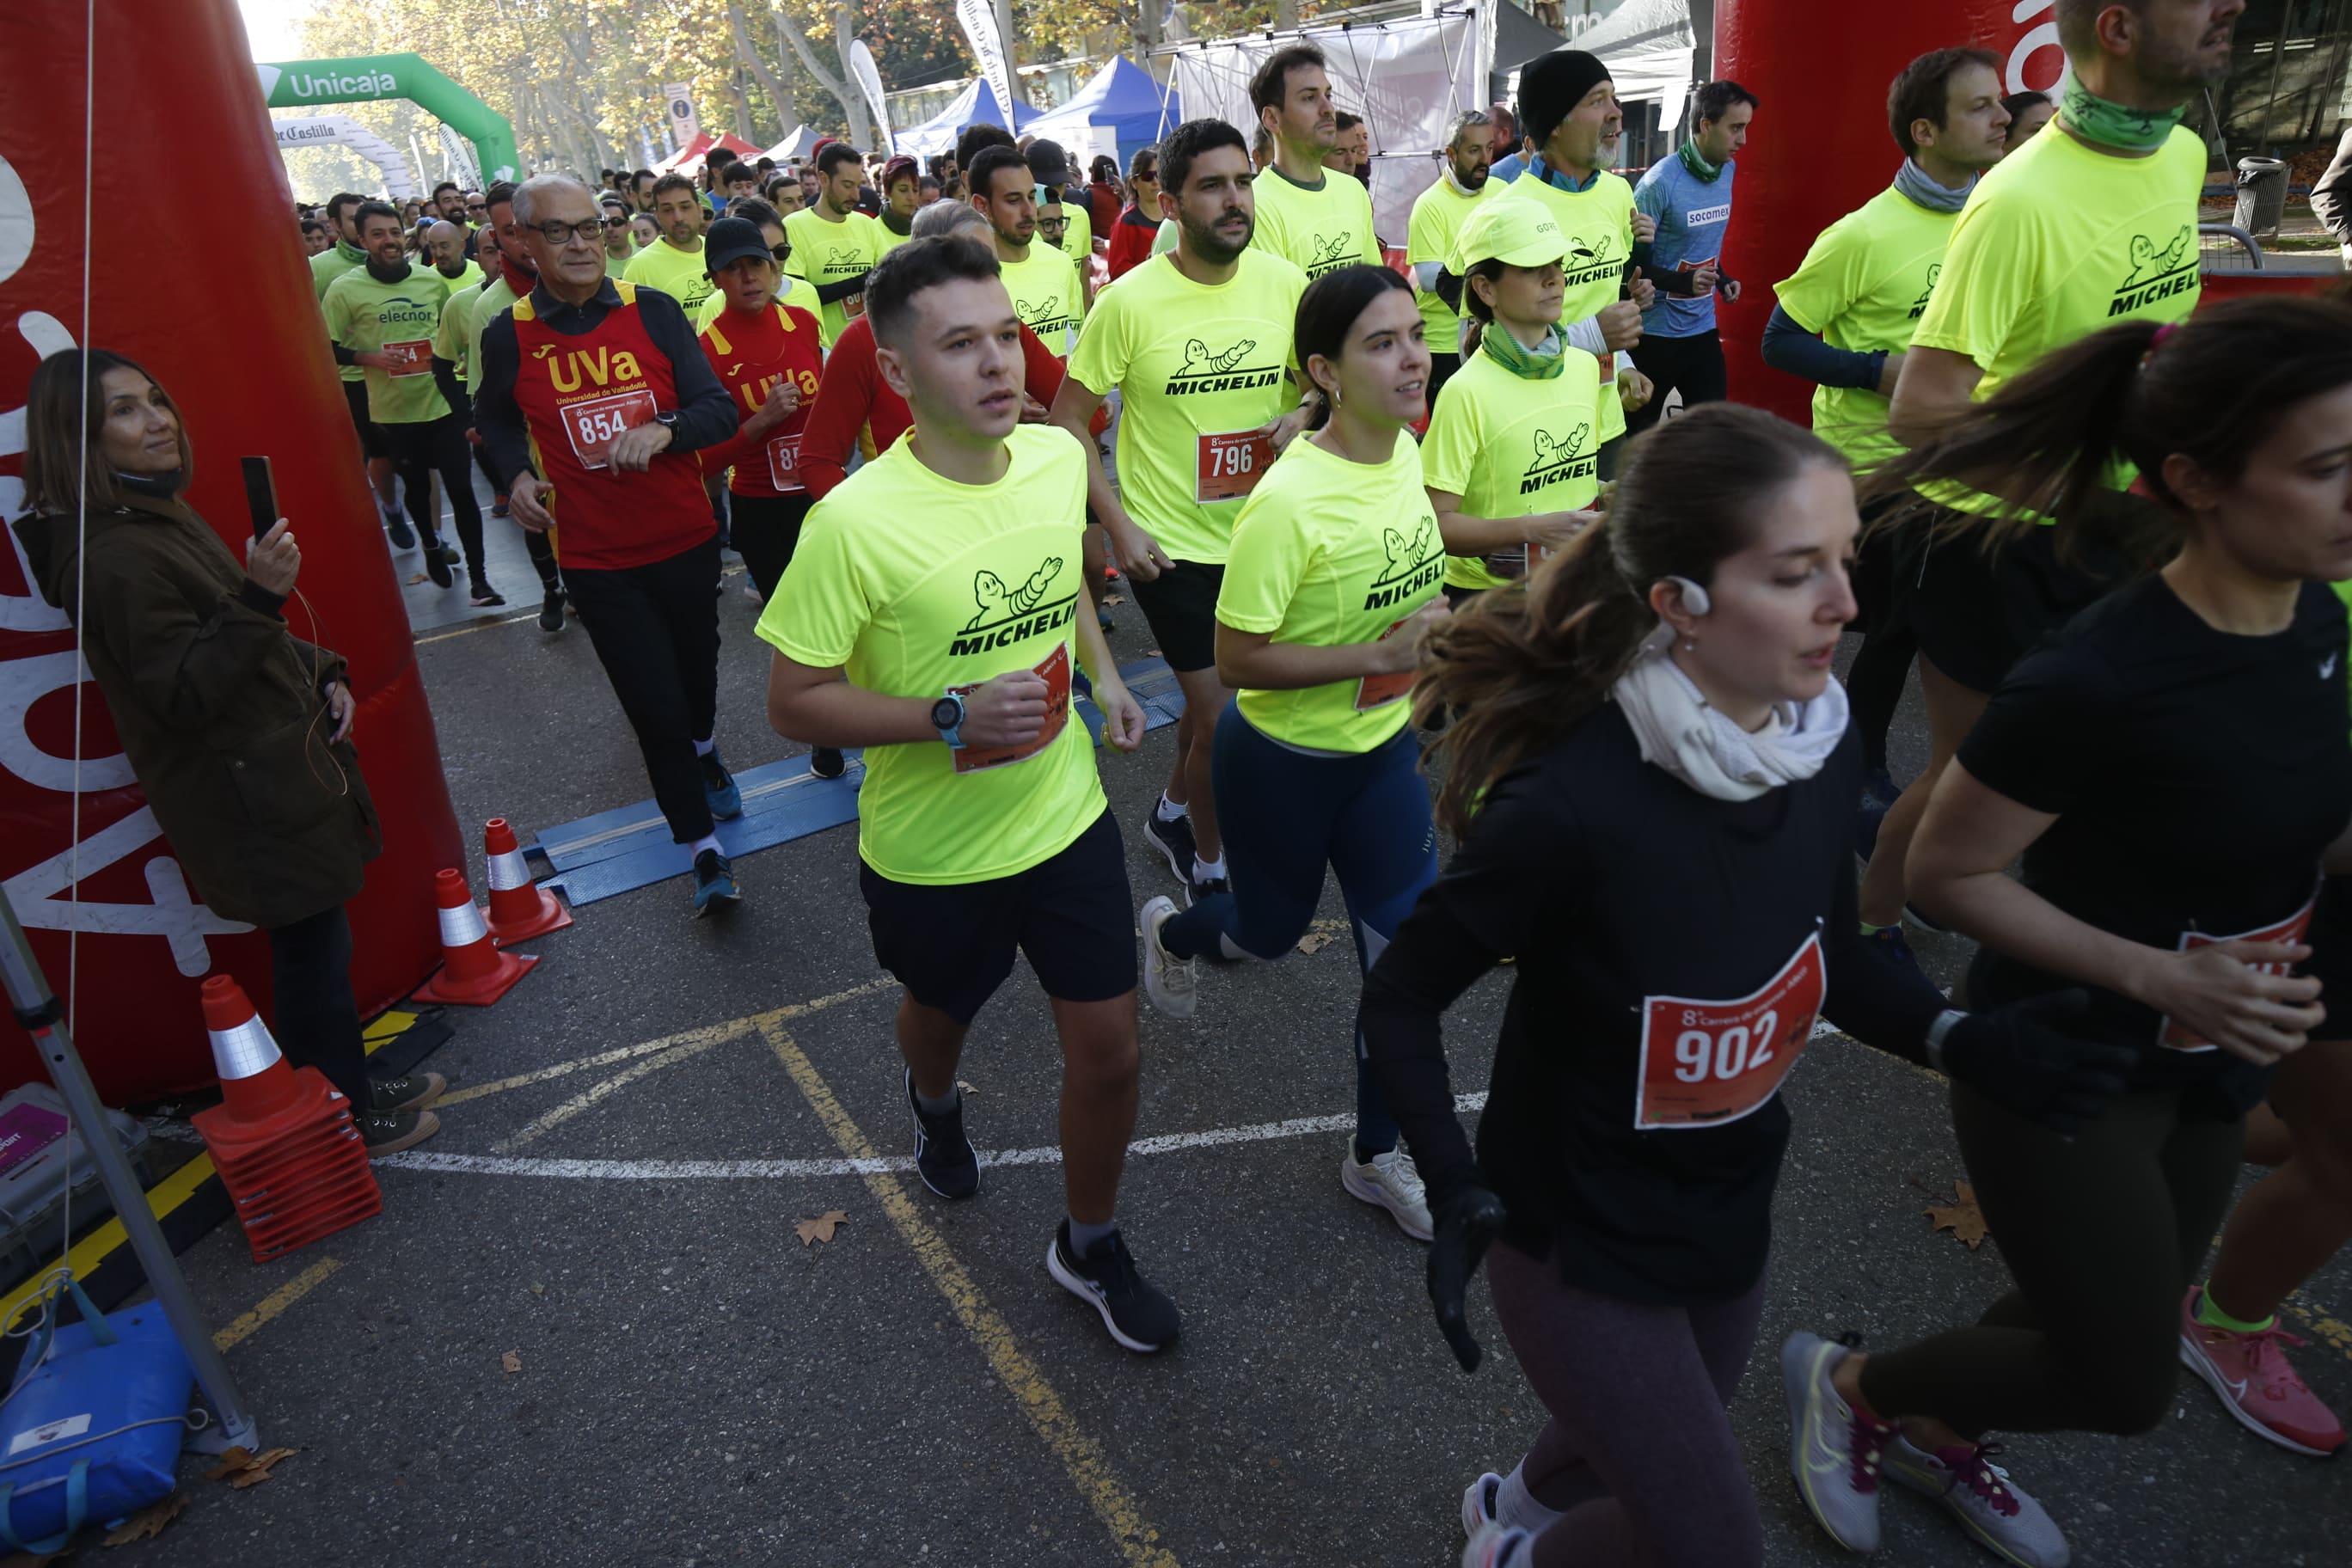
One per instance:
(250,368)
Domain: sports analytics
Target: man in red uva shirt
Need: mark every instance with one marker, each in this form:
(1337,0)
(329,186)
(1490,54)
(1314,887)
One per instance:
(603,385)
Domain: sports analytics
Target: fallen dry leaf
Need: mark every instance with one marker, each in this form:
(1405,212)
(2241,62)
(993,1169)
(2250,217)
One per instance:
(257,1470)
(1963,1218)
(820,1228)
(965,1088)
(231,1462)
(1315,941)
(511,1361)
(148,1522)
(416,577)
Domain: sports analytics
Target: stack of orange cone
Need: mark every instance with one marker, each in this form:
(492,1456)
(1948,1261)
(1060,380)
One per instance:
(473,971)
(282,1137)
(520,907)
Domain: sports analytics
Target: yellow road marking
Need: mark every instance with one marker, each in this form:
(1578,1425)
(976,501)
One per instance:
(1138,1542)
(276,1303)
(90,1250)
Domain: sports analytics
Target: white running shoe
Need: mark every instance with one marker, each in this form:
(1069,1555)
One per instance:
(1391,1181)
(1168,979)
(1498,1546)
(1480,1499)
(1834,1450)
(1979,1494)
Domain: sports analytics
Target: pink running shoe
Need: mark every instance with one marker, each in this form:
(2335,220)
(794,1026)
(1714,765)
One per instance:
(2250,1374)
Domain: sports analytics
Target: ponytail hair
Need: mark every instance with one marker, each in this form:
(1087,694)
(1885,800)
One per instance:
(2208,389)
(1524,663)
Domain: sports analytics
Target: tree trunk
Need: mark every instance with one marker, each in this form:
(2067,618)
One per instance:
(778,83)
(1286,15)
(844,92)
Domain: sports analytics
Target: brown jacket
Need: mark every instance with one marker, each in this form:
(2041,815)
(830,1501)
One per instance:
(220,709)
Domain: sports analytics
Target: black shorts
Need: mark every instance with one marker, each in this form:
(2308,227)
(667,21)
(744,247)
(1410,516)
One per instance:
(1976,615)
(952,945)
(371,438)
(2330,937)
(1180,605)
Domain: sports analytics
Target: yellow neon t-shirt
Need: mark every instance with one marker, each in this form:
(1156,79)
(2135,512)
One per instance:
(468,275)
(498,297)
(916,584)
(676,273)
(791,290)
(1328,553)
(455,341)
(1044,290)
(1437,215)
(1078,239)
(1863,287)
(403,318)
(1510,448)
(325,267)
(826,252)
(1317,228)
(1598,225)
(1198,367)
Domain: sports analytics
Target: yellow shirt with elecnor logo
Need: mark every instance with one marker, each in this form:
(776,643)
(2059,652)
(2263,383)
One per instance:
(1316,228)
(1045,295)
(1329,552)
(1863,287)
(915,584)
(826,252)
(1198,368)
(676,273)
(403,319)
(791,290)
(1598,223)
(1512,447)
(1437,216)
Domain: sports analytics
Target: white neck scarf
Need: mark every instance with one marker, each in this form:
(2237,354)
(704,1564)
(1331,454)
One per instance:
(1679,731)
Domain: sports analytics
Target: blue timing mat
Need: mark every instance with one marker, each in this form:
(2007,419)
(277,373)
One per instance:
(629,847)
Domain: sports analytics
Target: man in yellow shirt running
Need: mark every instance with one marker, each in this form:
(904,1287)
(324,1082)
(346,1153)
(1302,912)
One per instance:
(1312,217)
(673,264)
(1438,214)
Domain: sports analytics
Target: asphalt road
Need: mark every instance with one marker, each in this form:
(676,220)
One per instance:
(698,1387)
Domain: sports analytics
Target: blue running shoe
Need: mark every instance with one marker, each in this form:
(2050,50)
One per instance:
(719,785)
(714,883)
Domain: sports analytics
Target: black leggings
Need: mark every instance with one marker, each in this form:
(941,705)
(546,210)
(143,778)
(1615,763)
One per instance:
(437,445)
(1694,365)
(767,529)
(1875,681)
(317,1017)
(655,631)
(2103,1235)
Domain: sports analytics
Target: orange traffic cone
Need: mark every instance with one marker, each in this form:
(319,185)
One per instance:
(473,971)
(293,1166)
(519,907)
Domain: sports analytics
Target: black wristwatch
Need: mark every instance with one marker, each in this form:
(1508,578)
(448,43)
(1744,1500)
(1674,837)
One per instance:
(667,422)
(947,717)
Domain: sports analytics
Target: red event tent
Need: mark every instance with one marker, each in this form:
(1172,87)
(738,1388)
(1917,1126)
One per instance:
(687,160)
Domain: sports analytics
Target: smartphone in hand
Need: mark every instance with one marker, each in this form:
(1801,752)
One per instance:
(260,494)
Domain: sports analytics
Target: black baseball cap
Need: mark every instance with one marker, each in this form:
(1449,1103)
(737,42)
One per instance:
(732,239)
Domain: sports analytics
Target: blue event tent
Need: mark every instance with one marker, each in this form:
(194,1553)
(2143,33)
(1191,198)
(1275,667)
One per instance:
(976,104)
(1121,103)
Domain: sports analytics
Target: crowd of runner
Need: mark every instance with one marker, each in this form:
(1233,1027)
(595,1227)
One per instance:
(1411,528)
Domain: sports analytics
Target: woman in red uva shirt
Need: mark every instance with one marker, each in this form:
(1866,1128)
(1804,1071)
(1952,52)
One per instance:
(767,355)
(1652,779)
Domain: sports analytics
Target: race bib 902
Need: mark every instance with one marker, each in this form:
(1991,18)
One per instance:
(2175,1037)
(1707,1063)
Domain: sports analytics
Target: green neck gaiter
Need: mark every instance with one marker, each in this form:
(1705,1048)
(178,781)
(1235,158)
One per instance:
(1701,170)
(2113,125)
(1497,343)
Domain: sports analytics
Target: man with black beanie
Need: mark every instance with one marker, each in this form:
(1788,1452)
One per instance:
(1569,109)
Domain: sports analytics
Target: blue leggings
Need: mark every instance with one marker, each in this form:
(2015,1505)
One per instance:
(1286,815)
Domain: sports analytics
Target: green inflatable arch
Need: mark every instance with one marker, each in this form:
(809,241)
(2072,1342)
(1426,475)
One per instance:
(294,84)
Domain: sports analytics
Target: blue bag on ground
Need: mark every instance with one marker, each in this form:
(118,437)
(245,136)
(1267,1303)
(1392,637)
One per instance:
(92,1430)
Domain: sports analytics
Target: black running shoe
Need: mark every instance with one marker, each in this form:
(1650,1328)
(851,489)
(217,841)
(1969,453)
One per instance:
(827,763)
(403,538)
(1173,840)
(481,596)
(1137,1314)
(943,1155)
(1199,888)
(437,563)
(550,611)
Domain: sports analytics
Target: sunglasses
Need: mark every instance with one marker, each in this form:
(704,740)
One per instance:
(617,222)
(477,207)
(781,252)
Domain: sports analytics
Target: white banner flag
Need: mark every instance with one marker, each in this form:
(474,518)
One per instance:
(861,65)
(988,46)
(678,113)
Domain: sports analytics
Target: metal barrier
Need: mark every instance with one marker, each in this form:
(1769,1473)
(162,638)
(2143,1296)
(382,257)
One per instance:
(2237,236)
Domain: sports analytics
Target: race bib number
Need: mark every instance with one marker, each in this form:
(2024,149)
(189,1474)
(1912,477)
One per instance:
(2175,1037)
(413,357)
(1230,465)
(596,423)
(1707,1063)
(1056,672)
(852,307)
(784,462)
(1379,691)
(1608,370)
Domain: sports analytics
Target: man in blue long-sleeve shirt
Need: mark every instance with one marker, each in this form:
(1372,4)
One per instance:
(1689,196)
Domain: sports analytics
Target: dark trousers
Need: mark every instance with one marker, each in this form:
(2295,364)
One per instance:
(418,452)
(317,1017)
(1442,364)
(1873,684)
(2103,1233)
(542,554)
(1694,365)
(767,529)
(655,630)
